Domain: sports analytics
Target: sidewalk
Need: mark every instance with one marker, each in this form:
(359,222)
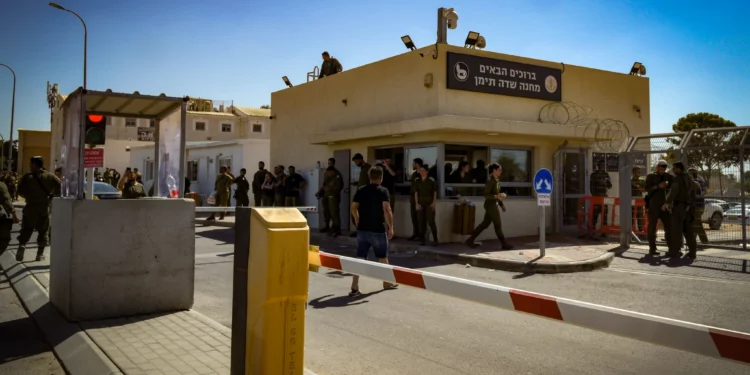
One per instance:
(23,349)
(563,254)
(179,343)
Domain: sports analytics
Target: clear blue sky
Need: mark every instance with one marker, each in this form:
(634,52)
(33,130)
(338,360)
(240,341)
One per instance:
(697,52)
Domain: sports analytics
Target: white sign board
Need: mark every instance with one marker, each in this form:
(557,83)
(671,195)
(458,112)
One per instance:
(544,200)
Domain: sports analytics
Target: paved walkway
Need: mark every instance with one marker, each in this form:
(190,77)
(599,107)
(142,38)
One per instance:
(179,343)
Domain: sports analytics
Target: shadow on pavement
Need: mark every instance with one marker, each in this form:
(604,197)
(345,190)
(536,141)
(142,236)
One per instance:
(341,301)
(704,262)
(225,235)
(17,340)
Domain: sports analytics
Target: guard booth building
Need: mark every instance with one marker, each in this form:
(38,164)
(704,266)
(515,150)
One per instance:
(460,104)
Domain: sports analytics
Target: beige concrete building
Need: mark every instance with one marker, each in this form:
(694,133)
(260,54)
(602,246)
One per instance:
(32,143)
(460,104)
(207,120)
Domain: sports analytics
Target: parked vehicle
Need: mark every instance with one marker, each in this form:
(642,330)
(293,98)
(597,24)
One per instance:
(714,213)
(103,190)
(734,216)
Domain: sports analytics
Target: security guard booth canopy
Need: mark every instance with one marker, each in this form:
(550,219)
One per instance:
(168,114)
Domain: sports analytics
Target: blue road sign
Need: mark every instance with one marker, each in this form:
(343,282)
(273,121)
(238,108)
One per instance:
(543,181)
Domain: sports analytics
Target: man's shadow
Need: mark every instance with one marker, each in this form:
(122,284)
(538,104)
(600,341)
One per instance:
(341,301)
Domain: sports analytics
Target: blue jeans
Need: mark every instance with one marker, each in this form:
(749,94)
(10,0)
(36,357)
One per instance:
(378,242)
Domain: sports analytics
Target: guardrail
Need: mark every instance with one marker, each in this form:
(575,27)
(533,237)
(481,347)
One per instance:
(686,336)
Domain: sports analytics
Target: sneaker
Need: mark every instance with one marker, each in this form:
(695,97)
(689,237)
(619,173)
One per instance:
(355,293)
(387,285)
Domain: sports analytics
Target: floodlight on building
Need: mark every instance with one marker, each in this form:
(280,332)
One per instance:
(638,69)
(286,80)
(471,39)
(408,42)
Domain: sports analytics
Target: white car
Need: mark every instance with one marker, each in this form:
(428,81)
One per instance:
(734,216)
(714,213)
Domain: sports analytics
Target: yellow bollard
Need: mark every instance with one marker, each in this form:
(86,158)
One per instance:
(313,258)
(277,291)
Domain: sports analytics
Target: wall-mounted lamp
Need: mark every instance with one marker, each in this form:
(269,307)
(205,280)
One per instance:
(638,69)
(638,110)
(127,148)
(286,80)
(345,101)
(408,42)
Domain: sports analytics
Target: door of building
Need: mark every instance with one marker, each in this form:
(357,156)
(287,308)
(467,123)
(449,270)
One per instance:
(343,163)
(570,172)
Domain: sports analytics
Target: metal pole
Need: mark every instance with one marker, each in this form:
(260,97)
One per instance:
(742,197)
(183,144)
(442,27)
(542,232)
(12,116)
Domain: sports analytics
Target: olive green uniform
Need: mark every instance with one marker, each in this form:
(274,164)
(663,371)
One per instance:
(700,208)
(681,200)
(37,188)
(222,185)
(425,196)
(491,211)
(258,179)
(134,191)
(636,191)
(6,223)
(654,200)
(413,204)
(332,186)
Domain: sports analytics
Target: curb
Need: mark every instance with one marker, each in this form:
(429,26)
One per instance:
(73,347)
(602,261)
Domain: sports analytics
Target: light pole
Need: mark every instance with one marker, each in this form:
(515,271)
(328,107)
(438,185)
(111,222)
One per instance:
(82,140)
(12,115)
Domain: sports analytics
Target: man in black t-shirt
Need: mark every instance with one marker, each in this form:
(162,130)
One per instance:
(371,210)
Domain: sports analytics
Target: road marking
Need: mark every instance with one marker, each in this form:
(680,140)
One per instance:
(662,274)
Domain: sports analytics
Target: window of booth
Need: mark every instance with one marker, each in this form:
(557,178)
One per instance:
(192,170)
(401,159)
(466,170)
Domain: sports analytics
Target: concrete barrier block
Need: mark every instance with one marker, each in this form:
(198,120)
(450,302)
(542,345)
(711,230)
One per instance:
(122,257)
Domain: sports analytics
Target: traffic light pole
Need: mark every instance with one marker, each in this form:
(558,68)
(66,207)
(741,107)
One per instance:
(90,183)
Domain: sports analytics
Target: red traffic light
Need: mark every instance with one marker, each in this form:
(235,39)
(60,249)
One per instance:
(96,118)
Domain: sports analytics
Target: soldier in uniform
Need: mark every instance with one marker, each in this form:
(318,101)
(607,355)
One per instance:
(7,218)
(426,198)
(657,184)
(492,199)
(364,179)
(330,66)
(599,183)
(294,184)
(700,206)
(636,191)
(258,179)
(324,198)
(133,189)
(38,187)
(221,186)
(680,203)
(332,187)
(240,194)
(415,165)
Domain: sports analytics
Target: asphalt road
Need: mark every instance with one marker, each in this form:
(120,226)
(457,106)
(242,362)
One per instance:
(409,331)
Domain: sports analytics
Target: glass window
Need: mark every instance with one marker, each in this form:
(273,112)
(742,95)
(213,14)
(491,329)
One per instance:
(200,126)
(152,123)
(192,170)
(148,170)
(131,122)
(516,177)
(226,128)
(465,170)
(257,128)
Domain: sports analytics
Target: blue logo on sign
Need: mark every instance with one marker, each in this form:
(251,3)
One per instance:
(543,181)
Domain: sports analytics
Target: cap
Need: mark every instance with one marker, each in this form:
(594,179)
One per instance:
(358,156)
(662,163)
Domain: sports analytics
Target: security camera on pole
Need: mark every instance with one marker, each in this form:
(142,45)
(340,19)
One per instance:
(543,189)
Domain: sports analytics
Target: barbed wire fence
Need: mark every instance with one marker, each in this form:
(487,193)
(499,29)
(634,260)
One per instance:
(605,134)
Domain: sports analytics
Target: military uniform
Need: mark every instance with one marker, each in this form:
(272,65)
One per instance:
(491,213)
(258,179)
(654,201)
(636,191)
(293,186)
(37,188)
(330,67)
(240,194)
(425,196)
(599,182)
(6,222)
(222,185)
(413,205)
(134,191)
(332,187)
(700,208)
(681,200)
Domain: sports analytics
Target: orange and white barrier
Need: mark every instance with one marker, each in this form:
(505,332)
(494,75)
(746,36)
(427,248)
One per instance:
(691,337)
(305,209)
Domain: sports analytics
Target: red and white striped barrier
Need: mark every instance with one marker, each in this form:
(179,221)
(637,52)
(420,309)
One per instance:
(691,337)
(232,209)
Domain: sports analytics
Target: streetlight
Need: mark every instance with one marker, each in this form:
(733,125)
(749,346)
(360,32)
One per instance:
(82,139)
(12,115)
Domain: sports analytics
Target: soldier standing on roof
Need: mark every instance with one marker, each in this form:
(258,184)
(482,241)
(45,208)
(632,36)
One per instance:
(38,187)
(330,66)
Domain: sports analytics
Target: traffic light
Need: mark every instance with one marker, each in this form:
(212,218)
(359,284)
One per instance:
(96,127)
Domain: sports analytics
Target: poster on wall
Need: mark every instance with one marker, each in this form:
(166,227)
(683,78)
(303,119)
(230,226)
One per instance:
(501,77)
(613,162)
(146,134)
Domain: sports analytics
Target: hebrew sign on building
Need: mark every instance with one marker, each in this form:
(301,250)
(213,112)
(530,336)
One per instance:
(493,76)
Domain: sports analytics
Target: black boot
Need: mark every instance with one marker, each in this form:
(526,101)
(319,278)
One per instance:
(470,242)
(40,254)
(653,251)
(19,253)
(506,245)
(324,229)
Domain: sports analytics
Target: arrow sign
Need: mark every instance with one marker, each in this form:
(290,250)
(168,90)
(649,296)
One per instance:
(543,181)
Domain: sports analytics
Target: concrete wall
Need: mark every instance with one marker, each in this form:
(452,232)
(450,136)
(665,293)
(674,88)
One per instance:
(32,143)
(140,261)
